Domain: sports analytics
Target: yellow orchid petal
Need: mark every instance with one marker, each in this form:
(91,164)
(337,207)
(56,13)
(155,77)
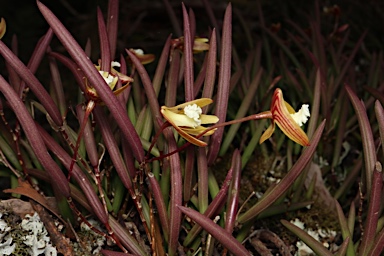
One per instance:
(123,78)
(285,121)
(120,90)
(268,133)
(190,138)
(199,102)
(290,109)
(3,27)
(177,119)
(209,119)
(143,58)
(198,130)
(199,44)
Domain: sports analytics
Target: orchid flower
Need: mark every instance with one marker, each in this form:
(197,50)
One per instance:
(111,79)
(200,44)
(145,58)
(287,119)
(187,119)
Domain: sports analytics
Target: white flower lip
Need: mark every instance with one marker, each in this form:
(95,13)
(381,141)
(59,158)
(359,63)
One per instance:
(194,112)
(109,79)
(301,116)
(138,51)
(115,64)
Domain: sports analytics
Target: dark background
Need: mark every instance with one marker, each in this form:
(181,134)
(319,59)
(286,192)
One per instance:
(146,24)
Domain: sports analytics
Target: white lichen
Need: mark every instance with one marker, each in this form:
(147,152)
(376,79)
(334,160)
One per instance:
(97,242)
(37,238)
(28,237)
(6,245)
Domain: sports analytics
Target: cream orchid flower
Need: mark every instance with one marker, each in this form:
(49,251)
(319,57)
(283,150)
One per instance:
(111,79)
(145,58)
(287,119)
(200,44)
(188,118)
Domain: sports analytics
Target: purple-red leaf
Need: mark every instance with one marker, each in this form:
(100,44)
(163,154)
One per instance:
(225,238)
(315,245)
(213,208)
(223,83)
(277,191)
(34,138)
(37,88)
(366,136)
(95,79)
(371,221)
(176,193)
(233,197)
(188,57)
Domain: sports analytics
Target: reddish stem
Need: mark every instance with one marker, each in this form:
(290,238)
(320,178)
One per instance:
(90,106)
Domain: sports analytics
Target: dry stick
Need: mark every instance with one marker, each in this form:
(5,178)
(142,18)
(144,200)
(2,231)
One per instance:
(16,140)
(4,161)
(65,135)
(152,219)
(262,115)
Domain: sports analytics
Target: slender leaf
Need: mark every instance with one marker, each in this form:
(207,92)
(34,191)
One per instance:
(277,191)
(346,234)
(216,231)
(366,136)
(315,245)
(223,84)
(34,137)
(375,200)
(95,79)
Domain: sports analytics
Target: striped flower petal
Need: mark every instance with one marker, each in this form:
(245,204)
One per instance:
(285,121)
